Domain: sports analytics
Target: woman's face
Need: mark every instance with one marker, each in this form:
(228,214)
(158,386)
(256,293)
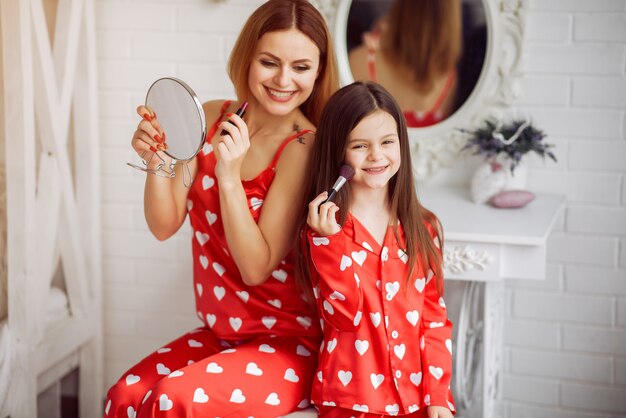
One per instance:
(283,71)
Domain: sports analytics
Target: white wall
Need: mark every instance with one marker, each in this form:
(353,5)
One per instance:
(565,337)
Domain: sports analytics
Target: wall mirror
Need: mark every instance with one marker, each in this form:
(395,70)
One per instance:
(487,70)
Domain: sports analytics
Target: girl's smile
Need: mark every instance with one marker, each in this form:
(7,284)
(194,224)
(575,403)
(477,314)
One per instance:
(373,150)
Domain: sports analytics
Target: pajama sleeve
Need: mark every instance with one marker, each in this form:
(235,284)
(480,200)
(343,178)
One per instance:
(436,346)
(340,298)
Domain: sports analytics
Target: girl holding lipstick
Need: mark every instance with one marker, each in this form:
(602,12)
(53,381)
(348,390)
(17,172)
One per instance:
(376,266)
(256,351)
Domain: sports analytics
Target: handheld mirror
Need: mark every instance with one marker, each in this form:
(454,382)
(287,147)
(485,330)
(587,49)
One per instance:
(181,116)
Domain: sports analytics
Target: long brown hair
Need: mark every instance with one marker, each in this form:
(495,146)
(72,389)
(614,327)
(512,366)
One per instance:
(423,37)
(280,15)
(345,109)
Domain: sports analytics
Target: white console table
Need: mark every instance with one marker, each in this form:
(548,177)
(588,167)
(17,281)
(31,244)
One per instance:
(483,246)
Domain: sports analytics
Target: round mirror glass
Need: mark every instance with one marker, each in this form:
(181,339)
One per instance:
(181,116)
(429,54)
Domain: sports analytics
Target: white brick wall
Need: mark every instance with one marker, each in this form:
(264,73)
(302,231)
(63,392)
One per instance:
(565,340)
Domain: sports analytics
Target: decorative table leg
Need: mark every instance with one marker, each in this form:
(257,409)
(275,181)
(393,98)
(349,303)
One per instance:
(493,343)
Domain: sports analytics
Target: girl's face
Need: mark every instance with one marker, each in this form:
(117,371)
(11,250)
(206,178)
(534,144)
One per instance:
(283,71)
(373,150)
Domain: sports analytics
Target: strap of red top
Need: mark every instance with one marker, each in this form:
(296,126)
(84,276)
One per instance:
(217,120)
(444,92)
(284,144)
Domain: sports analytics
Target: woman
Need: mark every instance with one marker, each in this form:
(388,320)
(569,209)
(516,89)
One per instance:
(413,52)
(256,351)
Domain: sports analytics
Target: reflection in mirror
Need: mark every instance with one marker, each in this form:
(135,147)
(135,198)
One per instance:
(181,116)
(428,53)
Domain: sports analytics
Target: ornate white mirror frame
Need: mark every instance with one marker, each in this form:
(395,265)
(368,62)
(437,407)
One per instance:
(439,145)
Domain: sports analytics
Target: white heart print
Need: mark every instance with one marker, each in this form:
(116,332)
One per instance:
(345,262)
(413,317)
(302,351)
(392,409)
(237,396)
(361,346)
(207,182)
(269,321)
(204,262)
(399,350)
(359,257)
(266,348)
(317,241)
(214,368)
(243,295)
(235,323)
(337,296)
(416,378)
(437,372)
(376,379)
(161,369)
(210,319)
(132,379)
(130,412)
(291,376)
(194,344)
(420,284)
(256,203)
(330,346)
(165,404)
(219,269)
(392,289)
(219,292)
(210,217)
(199,396)
(280,275)
(345,377)
(272,399)
(328,307)
(253,369)
(375,318)
(305,321)
(202,238)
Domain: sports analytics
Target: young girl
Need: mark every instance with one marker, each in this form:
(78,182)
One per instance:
(256,351)
(376,268)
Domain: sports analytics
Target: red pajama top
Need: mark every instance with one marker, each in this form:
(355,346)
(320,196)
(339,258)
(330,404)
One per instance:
(387,342)
(233,310)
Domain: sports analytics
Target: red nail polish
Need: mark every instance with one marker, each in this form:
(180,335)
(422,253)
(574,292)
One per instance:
(158,139)
(147,117)
(153,149)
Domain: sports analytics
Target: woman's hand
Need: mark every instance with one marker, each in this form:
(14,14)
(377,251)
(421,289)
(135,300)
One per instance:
(149,139)
(321,219)
(232,149)
(438,412)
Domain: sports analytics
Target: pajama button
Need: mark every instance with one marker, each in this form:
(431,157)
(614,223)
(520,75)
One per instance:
(394,334)
(398,374)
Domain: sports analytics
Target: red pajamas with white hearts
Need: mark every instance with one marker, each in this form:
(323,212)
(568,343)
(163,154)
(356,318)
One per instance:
(387,341)
(256,353)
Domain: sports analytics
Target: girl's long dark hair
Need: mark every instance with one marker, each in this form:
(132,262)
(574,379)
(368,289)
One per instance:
(345,109)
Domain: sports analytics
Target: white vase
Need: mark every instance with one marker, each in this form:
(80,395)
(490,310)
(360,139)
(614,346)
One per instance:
(517,179)
(489,179)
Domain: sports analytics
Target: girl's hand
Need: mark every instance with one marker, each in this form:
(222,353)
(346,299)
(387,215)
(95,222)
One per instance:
(438,412)
(149,139)
(322,219)
(232,149)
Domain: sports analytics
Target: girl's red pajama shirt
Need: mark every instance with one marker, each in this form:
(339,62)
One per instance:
(387,341)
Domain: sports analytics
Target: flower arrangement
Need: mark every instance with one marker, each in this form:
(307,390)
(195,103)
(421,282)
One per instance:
(512,140)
